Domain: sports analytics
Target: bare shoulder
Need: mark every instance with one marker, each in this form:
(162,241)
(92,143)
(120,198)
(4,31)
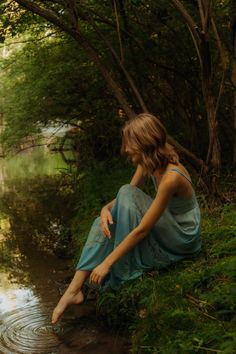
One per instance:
(171,168)
(170,181)
(172,178)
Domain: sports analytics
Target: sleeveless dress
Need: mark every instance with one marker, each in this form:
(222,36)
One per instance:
(176,235)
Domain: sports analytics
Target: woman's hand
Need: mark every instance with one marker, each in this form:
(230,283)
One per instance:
(105,219)
(99,273)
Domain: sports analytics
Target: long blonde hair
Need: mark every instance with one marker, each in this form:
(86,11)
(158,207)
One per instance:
(146,136)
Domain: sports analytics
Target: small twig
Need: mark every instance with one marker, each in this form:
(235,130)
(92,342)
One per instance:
(196,46)
(199,304)
(210,350)
(209,316)
(28,40)
(196,300)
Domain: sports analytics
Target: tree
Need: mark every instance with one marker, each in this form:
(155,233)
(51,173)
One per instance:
(133,44)
(201,39)
(69,17)
(233,26)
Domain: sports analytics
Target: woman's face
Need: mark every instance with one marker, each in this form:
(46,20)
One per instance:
(133,155)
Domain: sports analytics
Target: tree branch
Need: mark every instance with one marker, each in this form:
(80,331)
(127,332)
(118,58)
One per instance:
(201,12)
(88,48)
(28,40)
(118,31)
(207,9)
(118,60)
(219,43)
(188,19)
(223,62)
(49,15)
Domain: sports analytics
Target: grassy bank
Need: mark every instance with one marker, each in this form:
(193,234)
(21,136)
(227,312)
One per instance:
(187,308)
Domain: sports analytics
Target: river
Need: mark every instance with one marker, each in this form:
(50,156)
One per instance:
(34,211)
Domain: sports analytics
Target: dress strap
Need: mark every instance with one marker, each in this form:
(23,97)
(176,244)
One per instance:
(154,182)
(176,169)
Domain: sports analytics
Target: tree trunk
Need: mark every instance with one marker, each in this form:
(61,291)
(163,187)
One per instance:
(234,100)
(214,152)
(202,44)
(233,24)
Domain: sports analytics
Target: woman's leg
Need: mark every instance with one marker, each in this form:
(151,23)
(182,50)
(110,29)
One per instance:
(73,294)
(96,249)
(127,212)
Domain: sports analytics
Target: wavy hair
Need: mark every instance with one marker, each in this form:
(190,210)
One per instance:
(145,136)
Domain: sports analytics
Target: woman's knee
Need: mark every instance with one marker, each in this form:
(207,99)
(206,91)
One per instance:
(132,195)
(126,188)
(126,191)
(127,194)
(96,221)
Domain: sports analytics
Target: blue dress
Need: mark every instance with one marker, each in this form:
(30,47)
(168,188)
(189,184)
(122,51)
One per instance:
(176,235)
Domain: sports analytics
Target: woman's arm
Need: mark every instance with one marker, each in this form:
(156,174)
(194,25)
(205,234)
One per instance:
(138,177)
(166,189)
(106,217)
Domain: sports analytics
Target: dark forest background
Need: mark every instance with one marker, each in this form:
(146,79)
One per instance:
(95,64)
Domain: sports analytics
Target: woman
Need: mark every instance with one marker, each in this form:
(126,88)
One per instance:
(135,233)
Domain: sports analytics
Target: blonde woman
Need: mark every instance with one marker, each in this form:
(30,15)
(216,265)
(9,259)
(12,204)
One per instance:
(134,232)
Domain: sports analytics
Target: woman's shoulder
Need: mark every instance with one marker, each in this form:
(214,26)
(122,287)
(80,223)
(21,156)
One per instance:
(179,169)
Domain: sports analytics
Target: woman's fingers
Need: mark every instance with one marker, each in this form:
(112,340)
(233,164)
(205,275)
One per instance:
(105,219)
(105,228)
(110,219)
(95,278)
(107,231)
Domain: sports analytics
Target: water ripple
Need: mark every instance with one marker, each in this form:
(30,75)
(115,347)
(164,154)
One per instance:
(27,330)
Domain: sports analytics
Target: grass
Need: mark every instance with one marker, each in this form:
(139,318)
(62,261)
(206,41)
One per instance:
(187,308)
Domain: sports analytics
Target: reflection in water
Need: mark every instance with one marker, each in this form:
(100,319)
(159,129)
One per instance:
(33,218)
(11,299)
(26,330)
(35,162)
(28,293)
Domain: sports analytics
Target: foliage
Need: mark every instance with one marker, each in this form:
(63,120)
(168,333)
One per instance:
(151,33)
(36,92)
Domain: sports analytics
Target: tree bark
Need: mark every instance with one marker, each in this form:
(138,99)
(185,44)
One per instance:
(233,77)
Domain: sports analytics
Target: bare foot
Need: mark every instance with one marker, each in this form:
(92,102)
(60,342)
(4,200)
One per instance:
(66,300)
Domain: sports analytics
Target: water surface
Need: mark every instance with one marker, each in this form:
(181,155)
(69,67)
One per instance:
(34,212)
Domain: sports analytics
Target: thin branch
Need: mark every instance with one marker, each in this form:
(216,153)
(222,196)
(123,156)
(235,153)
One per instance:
(219,43)
(73,12)
(188,19)
(221,90)
(99,18)
(28,40)
(49,15)
(125,72)
(208,349)
(118,31)
(196,47)
(30,147)
(207,9)
(223,62)
(201,11)
(192,158)
(88,48)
